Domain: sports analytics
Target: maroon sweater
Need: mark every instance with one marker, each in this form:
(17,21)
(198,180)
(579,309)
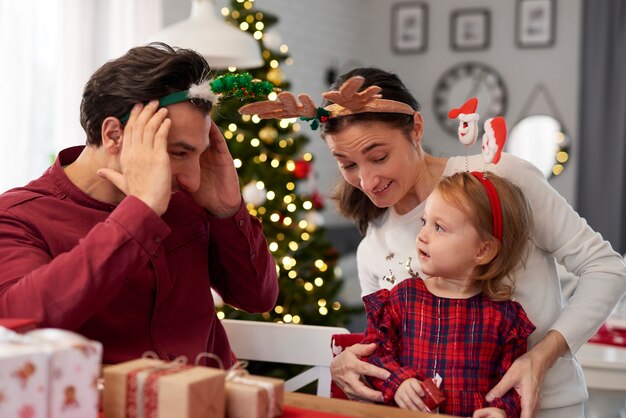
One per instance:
(122,275)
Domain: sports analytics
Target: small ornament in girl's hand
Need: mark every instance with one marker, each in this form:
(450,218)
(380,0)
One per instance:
(433,397)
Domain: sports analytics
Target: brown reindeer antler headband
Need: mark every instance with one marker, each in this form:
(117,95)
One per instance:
(348,100)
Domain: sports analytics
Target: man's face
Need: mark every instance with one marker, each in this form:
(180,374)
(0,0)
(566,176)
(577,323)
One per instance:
(187,140)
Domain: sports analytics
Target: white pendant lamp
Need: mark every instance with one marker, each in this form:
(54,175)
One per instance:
(222,45)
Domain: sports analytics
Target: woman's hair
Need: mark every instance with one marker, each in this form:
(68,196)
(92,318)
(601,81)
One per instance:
(142,74)
(352,203)
(468,194)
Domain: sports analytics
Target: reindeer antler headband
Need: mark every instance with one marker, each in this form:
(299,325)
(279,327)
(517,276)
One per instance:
(348,100)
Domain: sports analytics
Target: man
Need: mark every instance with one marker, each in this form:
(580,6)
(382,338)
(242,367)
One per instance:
(123,239)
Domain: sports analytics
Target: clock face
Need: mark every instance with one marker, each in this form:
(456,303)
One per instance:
(466,80)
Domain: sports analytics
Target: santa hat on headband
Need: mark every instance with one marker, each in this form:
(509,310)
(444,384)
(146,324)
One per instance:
(493,139)
(468,108)
(468,121)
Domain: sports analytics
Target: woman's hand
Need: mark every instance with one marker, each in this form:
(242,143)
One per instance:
(489,413)
(409,396)
(346,370)
(526,374)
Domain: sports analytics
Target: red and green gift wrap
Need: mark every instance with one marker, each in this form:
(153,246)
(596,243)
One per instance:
(250,396)
(148,388)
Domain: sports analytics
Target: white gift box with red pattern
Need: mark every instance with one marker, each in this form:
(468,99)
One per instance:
(23,381)
(68,366)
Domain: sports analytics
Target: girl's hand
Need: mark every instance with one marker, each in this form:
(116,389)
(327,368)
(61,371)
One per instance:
(489,413)
(409,396)
(346,370)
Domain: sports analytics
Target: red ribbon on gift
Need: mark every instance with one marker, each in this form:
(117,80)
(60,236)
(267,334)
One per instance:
(142,389)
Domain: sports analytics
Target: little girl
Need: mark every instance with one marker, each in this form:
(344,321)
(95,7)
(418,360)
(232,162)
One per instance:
(458,323)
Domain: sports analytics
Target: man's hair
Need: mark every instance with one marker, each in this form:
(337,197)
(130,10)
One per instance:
(467,193)
(142,74)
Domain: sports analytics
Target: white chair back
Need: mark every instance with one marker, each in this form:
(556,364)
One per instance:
(286,343)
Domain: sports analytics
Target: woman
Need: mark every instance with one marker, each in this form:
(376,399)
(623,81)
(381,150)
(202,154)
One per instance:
(387,176)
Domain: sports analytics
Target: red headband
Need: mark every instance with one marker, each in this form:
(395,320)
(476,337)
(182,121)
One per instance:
(496,208)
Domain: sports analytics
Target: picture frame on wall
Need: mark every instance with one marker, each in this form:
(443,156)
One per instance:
(409,27)
(535,23)
(470,29)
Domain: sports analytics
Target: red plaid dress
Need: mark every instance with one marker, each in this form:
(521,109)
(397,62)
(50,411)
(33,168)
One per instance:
(470,343)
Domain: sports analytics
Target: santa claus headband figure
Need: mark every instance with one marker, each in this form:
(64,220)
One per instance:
(492,145)
(468,121)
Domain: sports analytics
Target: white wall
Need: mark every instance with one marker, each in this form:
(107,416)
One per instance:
(557,67)
(348,33)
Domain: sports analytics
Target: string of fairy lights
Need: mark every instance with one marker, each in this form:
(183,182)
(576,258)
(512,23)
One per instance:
(282,248)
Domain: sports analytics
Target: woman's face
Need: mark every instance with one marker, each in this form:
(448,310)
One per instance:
(377,159)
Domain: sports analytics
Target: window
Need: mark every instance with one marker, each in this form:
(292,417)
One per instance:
(50,48)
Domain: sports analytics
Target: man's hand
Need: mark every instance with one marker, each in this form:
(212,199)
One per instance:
(409,396)
(219,184)
(526,374)
(346,370)
(144,161)
(489,413)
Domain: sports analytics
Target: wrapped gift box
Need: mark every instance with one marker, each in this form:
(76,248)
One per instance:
(249,396)
(52,373)
(24,376)
(156,389)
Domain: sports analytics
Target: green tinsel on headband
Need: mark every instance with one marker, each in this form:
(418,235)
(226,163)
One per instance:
(227,85)
(241,85)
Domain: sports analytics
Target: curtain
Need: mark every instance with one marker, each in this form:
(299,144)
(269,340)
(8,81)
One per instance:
(50,48)
(602,168)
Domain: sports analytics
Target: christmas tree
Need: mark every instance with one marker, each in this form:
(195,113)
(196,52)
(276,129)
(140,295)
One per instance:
(278,185)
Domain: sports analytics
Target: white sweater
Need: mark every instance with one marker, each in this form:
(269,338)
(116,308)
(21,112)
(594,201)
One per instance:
(559,234)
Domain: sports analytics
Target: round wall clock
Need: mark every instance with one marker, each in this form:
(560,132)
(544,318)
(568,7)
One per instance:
(465,80)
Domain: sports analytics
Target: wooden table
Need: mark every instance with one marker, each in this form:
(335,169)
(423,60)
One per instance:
(351,408)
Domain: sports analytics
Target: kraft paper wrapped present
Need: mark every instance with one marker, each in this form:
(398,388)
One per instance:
(155,389)
(62,368)
(250,396)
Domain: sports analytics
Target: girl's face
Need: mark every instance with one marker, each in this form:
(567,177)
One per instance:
(448,244)
(377,159)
